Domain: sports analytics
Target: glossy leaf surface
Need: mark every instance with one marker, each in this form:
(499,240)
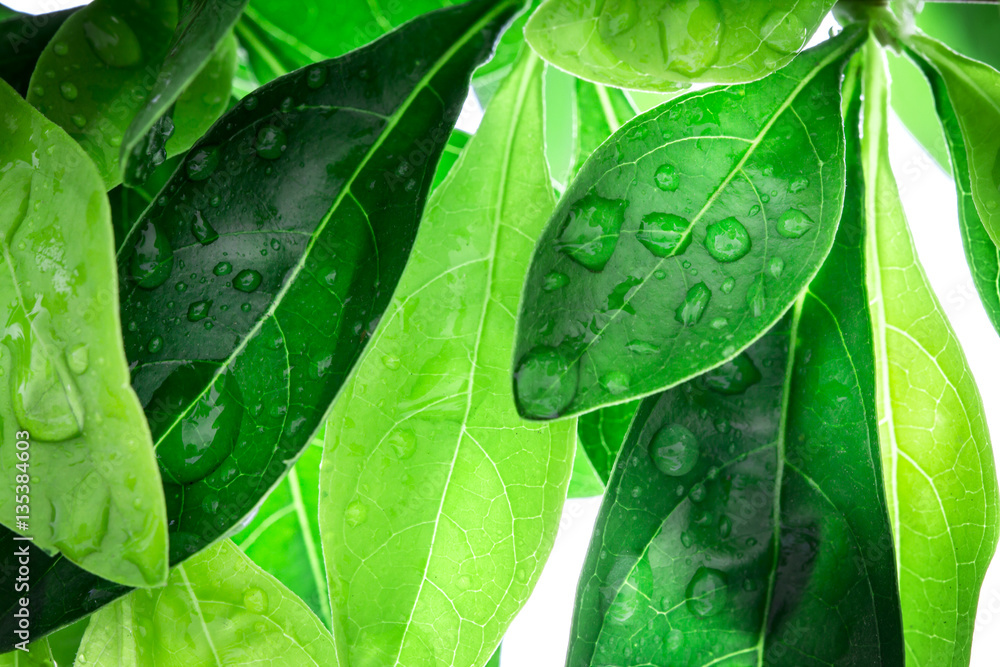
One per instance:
(218,608)
(94,491)
(662,44)
(221,303)
(22,39)
(439,505)
(283,538)
(742,526)
(938,463)
(684,238)
(203,26)
(974,91)
(980,250)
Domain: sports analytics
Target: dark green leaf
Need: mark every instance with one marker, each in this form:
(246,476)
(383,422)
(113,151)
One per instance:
(728,533)
(202,27)
(982,253)
(456,142)
(22,39)
(684,238)
(602,433)
(321,178)
(661,45)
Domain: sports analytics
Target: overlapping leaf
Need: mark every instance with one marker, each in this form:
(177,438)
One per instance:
(940,477)
(37,655)
(684,238)
(85,479)
(218,608)
(729,534)
(22,39)
(439,505)
(662,45)
(248,294)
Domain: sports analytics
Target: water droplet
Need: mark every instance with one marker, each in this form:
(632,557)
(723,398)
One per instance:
(61,48)
(247,280)
(733,377)
(783,31)
(181,287)
(698,492)
(675,639)
(202,163)
(725,526)
(113,40)
(728,284)
(271,142)
(756,297)
(618,16)
(674,450)
(78,358)
(68,91)
(198,310)
(793,223)
(356,513)
(245,307)
(250,102)
(754,210)
(390,362)
(798,185)
(664,234)
(667,178)
(255,601)
(590,234)
(690,36)
(727,240)
(403,443)
(153,258)
(641,347)
(659,274)
(616,382)
(776,266)
(39,91)
(555,280)
(707,592)
(316,77)
(693,307)
(546,382)
(79,120)
(719,323)
(155,344)
(223,269)
(203,231)
(687,539)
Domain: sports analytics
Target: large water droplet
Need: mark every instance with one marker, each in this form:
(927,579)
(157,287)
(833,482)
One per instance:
(664,234)
(674,450)
(199,310)
(733,377)
(693,307)
(255,600)
(403,443)
(546,382)
(690,36)
(707,592)
(271,142)
(356,513)
(223,269)
(68,91)
(113,40)
(798,185)
(153,259)
(45,398)
(783,31)
(202,230)
(247,280)
(727,240)
(728,284)
(793,223)
(201,163)
(667,178)
(616,382)
(555,280)
(776,266)
(590,234)
(204,437)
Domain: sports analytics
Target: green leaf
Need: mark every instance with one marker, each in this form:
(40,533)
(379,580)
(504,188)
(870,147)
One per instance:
(203,27)
(94,488)
(456,143)
(684,238)
(974,91)
(22,39)
(495,660)
(321,178)
(218,608)
(728,532)
(584,482)
(980,250)
(662,46)
(283,537)
(938,463)
(439,504)
(600,111)
(36,655)
(602,433)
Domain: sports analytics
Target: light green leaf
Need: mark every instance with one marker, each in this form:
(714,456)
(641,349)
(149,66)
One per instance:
(217,608)
(438,504)
(661,45)
(283,537)
(600,111)
(95,490)
(203,35)
(937,460)
(584,482)
(974,91)
(37,655)
(982,253)
(684,238)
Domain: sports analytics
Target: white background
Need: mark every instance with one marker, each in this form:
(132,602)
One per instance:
(539,635)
